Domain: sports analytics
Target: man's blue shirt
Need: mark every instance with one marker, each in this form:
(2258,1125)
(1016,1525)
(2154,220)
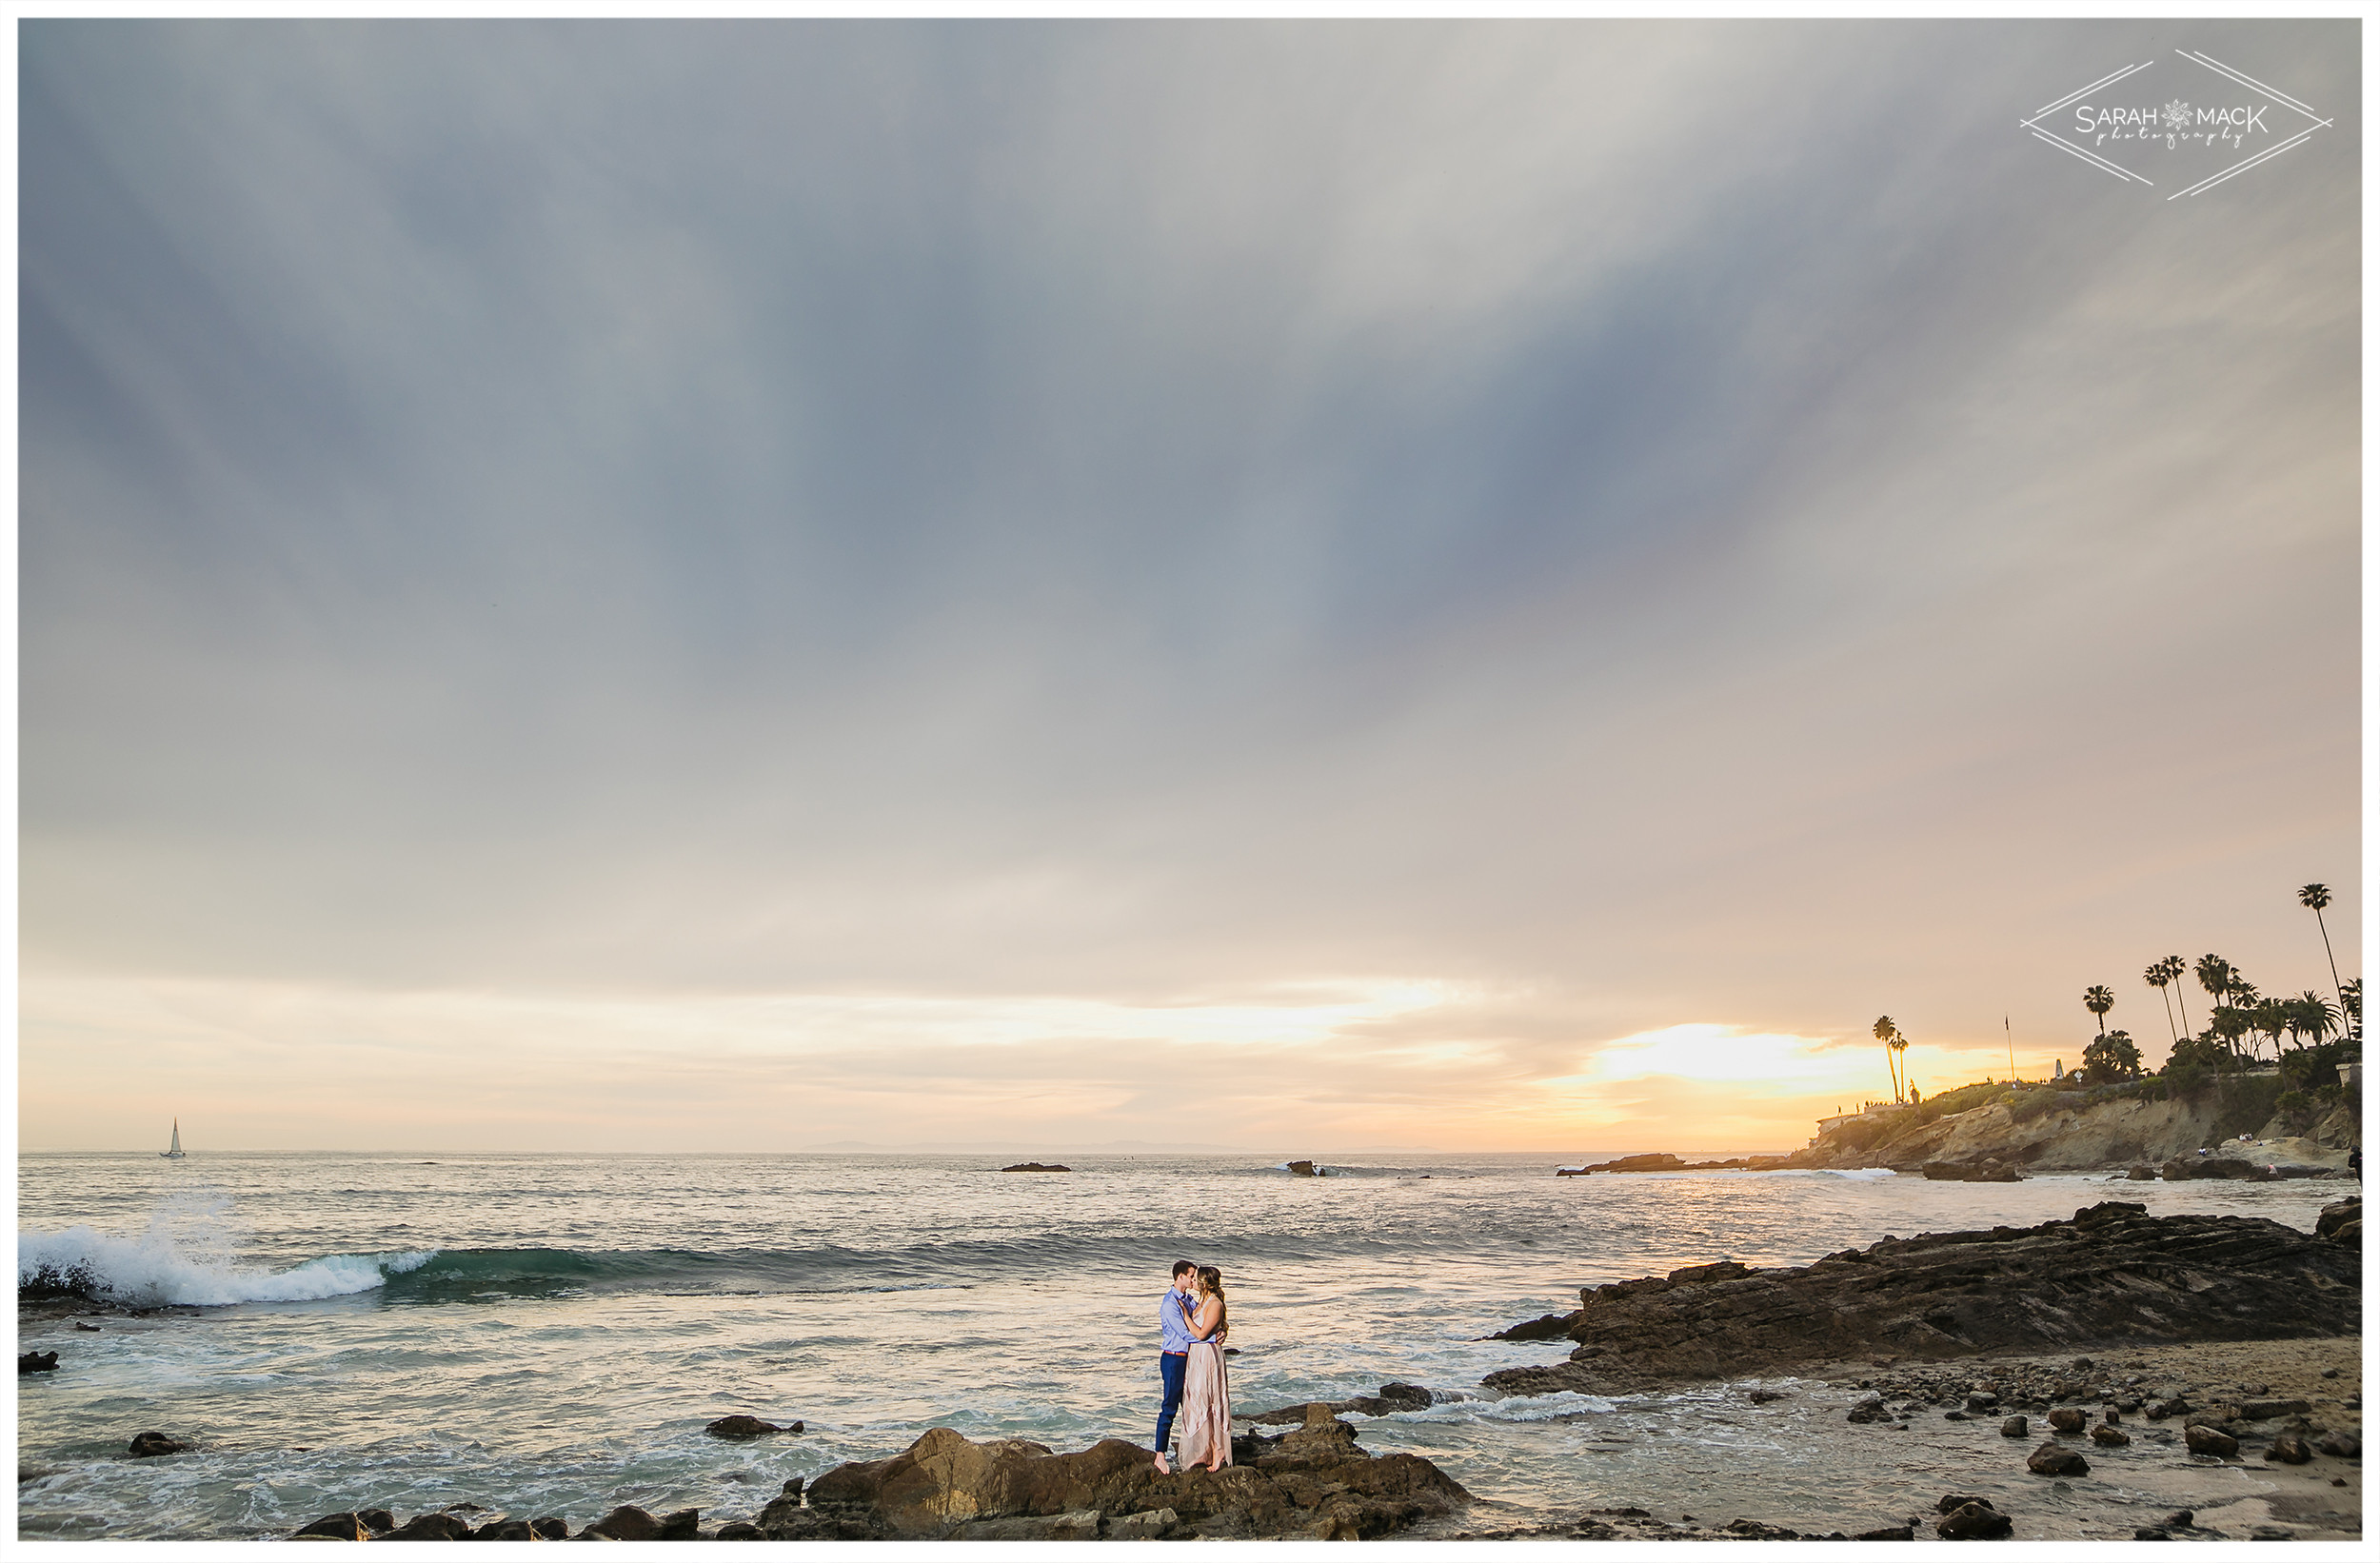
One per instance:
(1173,1316)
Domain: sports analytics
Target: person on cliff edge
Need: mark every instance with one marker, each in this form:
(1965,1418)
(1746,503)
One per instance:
(1172,1321)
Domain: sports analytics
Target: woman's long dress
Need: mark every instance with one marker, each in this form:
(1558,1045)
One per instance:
(1205,1423)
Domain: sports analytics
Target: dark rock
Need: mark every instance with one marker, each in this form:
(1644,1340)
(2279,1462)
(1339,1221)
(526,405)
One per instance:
(1545,1327)
(2054,1460)
(2113,1272)
(2207,1440)
(37,1362)
(1035,1166)
(507,1530)
(551,1528)
(739,1426)
(2067,1419)
(738,1530)
(1981,1400)
(2265,1411)
(2110,1438)
(377,1520)
(1869,1411)
(2151,1533)
(1653,1161)
(2185,1167)
(1990,1170)
(2342,1445)
(1976,1521)
(2180,1519)
(432,1528)
(1950,1503)
(1309,1482)
(1305,1169)
(1150,1525)
(2142,1173)
(2335,1216)
(1957,1416)
(1753,1530)
(347,1526)
(685,1524)
(2289,1448)
(1889,1532)
(793,1487)
(2016,1427)
(2162,1409)
(148,1444)
(626,1523)
(1762,1397)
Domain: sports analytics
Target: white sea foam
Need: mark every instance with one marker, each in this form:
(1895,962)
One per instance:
(154,1269)
(1512,1408)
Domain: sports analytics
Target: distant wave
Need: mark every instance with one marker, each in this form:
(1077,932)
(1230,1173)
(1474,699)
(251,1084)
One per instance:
(151,1271)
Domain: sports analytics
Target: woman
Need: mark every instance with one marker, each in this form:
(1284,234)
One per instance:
(1206,1387)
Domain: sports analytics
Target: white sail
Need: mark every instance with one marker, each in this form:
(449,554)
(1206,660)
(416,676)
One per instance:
(176,1151)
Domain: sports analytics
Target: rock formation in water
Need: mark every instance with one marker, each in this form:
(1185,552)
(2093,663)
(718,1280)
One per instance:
(2112,1272)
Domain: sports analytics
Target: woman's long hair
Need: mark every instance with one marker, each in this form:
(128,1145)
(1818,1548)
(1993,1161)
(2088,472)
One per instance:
(1211,1280)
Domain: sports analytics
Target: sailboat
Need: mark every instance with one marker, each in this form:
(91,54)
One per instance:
(175,1153)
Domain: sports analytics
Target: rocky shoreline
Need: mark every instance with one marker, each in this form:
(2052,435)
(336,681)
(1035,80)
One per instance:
(2112,1272)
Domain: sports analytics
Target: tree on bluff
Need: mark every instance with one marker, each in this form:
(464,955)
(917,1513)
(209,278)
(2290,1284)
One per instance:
(2111,1058)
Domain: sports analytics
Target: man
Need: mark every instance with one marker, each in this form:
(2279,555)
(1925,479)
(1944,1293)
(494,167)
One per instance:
(1173,1320)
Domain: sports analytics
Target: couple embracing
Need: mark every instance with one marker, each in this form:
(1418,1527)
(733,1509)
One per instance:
(1195,1323)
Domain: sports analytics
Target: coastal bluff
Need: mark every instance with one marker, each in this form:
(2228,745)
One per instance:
(2112,1273)
(2045,1129)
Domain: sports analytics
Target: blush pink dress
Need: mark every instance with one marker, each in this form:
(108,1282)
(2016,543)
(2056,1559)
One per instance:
(1205,1424)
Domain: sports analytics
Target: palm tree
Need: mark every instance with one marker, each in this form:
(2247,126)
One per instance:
(2317,1017)
(1885,1032)
(2352,1010)
(2214,975)
(2317,896)
(2231,1024)
(2272,1017)
(2158,978)
(2098,1000)
(1900,1044)
(2174,966)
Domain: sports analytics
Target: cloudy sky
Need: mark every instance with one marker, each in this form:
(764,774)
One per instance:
(1297,587)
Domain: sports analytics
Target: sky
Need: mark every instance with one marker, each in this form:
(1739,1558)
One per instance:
(1300,587)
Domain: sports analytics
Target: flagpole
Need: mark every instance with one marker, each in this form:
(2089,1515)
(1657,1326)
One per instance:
(2011,1050)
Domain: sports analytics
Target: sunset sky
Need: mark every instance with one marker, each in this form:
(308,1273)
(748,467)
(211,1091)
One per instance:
(1286,587)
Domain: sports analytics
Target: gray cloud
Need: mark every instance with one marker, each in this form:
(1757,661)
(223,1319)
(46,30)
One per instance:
(1674,522)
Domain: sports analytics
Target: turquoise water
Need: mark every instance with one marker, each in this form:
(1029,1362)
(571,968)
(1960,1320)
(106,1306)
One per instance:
(549,1333)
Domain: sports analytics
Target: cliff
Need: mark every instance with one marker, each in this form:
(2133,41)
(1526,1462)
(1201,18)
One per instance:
(2050,1130)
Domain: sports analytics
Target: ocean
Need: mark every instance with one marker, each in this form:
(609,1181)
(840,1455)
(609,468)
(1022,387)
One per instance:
(549,1334)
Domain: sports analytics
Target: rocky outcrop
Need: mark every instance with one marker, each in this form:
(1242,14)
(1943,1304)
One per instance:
(2043,1130)
(2112,1272)
(37,1362)
(1035,1166)
(149,1445)
(1307,1169)
(1311,1482)
(1392,1398)
(1990,1170)
(1663,1161)
(739,1426)
(2342,1222)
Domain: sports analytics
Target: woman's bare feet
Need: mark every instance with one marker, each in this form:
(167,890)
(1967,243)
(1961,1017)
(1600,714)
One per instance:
(1162,1469)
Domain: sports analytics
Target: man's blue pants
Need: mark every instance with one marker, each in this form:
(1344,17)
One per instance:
(1170,1367)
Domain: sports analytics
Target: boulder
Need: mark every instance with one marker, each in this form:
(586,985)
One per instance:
(1976,1521)
(37,1362)
(507,1530)
(2290,1449)
(2110,1438)
(2158,1411)
(1081,1525)
(1545,1327)
(2016,1427)
(2056,1459)
(2067,1419)
(1036,1166)
(2341,1445)
(377,1520)
(2265,1411)
(2112,1272)
(1950,1503)
(682,1525)
(1888,1533)
(739,1426)
(626,1523)
(1990,1170)
(2203,1439)
(1305,1169)
(1311,1482)
(2336,1216)
(551,1528)
(2142,1173)
(347,1526)
(2183,1167)
(738,1530)
(146,1445)
(432,1528)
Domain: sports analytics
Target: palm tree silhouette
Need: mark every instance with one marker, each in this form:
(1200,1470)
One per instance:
(2317,896)
(1900,1044)
(1885,1032)
(2098,1000)
(2316,1016)
(2158,978)
(2214,975)
(2174,966)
